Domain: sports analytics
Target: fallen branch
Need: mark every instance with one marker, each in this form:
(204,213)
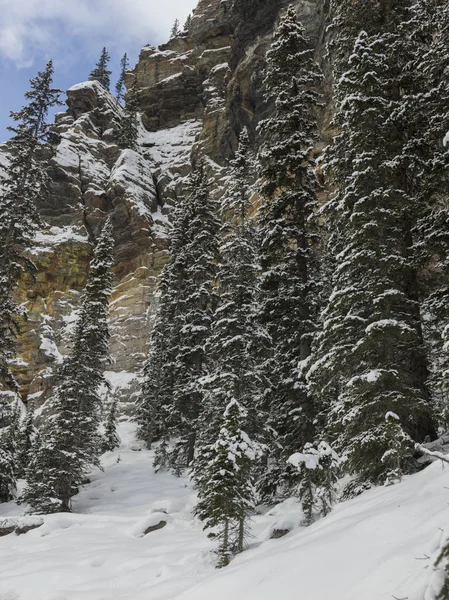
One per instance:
(432,453)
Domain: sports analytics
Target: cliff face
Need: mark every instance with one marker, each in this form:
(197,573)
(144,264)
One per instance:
(198,90)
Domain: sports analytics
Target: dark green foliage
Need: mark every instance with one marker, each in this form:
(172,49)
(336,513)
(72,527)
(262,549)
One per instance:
(25,183)
(155,402)
(157,385)
(317,467)
(226,493)
(400,449)
(172,393)
(175,30)
(111,439)
(289,294)
(188,23)
(101,72)
(25,440)
(7,475)
(120,85)
(128,129)
(192,323)
(70,442)
(8,454)
(430,29)
(369,359)
(236,337)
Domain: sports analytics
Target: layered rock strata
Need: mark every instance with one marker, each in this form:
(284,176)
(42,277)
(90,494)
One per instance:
(196,92)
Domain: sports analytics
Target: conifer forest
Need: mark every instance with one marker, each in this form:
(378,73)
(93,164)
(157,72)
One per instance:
(224,312)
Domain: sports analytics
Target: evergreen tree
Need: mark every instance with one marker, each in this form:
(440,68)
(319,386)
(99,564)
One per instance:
(430,156)
(128,130)
(175,30)
(156,399)
(70,443)
(120,85)
(234,344)
(7,475)
(226,493)
(188,23)
(8,455)
(369,356)
(25,439)
(101,72)
(318,468)
(196,298)
(157,384)
(26,181)
(400,448)
(111,440)
(289,283)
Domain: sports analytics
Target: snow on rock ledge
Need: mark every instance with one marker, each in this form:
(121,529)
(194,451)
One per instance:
(131,177)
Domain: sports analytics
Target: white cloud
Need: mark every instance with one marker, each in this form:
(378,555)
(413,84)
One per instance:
(33,28)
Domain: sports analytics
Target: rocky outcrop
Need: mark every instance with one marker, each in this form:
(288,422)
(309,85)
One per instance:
(93,178)
(196,91)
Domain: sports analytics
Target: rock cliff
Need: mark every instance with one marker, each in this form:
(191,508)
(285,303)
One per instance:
(197,90)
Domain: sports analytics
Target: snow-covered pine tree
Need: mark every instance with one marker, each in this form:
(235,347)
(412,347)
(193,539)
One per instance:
(225,489)
(196,298)
(430,159)
(289,283)
(155,403)
(368,359)
(26,181)
(400,448)
(157,385)
(70,442)
(111,439)
(128,130)
(101,72)
(120,85)
(25,439)
(8,454)
(233,347)
(318,470)
(7,471)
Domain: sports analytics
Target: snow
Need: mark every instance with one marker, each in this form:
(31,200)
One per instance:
(446,139)
(99,91)
(120,380)
(93,85)
(49,348)
(373,547)
(46,241)
(392,415)
(370,377)
(25,521)
(170,78)
(168,147)
(131,172)
(4,161)
(311,461)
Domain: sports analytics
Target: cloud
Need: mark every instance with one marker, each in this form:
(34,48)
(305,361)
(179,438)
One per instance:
(32,29)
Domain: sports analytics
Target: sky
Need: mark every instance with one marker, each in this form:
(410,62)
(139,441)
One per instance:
(72,33)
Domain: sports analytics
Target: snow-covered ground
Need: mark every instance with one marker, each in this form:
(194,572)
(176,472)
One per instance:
(375,547)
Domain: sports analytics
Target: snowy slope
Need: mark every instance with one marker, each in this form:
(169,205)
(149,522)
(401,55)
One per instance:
(371,548)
